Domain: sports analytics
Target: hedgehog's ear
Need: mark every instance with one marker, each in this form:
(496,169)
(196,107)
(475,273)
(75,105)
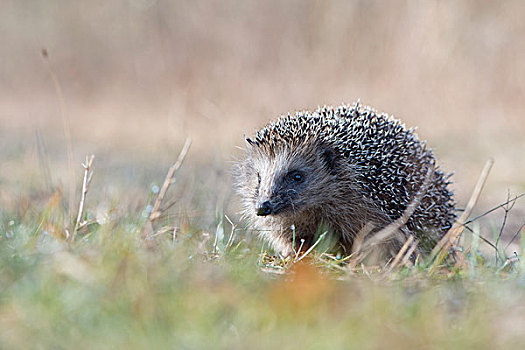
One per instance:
(329,158)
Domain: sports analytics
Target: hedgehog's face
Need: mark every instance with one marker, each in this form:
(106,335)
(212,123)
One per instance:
(287,183)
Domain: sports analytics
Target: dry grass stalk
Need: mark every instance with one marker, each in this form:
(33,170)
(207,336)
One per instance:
(216,239)
(507,208)
(515,236)
(321,237)
(391,229)
(441,249)
(88,175)
(406,259)
(67,129)
(401,253)
(232,234)
(515,199)
(156,212)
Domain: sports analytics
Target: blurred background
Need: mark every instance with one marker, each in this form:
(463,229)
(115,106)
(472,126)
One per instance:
(129,81)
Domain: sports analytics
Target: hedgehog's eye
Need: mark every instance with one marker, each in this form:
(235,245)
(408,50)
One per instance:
(296,176)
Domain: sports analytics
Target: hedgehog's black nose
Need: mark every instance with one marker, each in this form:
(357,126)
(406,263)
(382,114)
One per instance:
(264,208)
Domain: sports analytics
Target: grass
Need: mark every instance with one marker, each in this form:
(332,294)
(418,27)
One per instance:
(119,285)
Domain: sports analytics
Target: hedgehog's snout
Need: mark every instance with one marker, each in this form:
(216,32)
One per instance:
(263,209)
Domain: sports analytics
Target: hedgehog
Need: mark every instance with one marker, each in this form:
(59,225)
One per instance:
(341,170)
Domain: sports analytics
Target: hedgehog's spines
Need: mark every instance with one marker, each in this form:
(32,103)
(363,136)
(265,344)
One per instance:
(389,160)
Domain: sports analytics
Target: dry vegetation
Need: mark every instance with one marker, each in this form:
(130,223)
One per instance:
(117,254)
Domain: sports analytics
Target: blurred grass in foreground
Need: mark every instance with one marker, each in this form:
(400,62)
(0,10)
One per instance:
(186,287)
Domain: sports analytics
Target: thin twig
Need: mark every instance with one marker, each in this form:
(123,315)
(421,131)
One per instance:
(506,208)
(481,237)
(156,212)
(401,253)
(453,233)
(514,237)
(88,175)
(389,230)
(495,208)
(406,258)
